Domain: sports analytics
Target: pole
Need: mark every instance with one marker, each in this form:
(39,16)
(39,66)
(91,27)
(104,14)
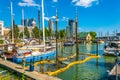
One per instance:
(116,66)
(39,22)
(56,38)
(97,48)
(43,25)
(12,23)
(76,25)
(23,22)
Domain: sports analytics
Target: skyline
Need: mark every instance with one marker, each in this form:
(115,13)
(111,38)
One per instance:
(93,15)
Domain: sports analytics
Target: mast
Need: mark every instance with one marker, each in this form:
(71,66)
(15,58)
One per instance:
(12,22)
(76,25)
(43,24)
(23,22)
(39,22)
(56,38)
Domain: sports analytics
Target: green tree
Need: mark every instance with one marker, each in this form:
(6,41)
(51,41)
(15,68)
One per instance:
(47,32)
(26,32)
(15,32)
(93,34)
(35,32)
(62,33)
(21,35)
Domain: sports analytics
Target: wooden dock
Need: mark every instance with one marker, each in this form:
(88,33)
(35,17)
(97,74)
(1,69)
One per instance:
(113,71)
(31,74)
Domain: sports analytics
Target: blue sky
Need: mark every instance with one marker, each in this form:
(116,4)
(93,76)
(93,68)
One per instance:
(94,15)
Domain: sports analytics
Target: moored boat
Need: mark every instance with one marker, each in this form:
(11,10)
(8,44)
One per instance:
(112,48)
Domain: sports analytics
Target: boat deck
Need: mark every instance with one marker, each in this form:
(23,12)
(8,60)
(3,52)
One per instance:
(19,69)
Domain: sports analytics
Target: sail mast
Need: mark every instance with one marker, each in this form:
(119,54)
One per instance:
(43,24)
(23,22)
(12,22)
(76,24)
(56,38)
(39,22)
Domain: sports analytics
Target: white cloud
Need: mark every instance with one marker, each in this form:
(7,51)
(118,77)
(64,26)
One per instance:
(55,0)
(46,18)
(53,17)
(64,19)
(27,3)
(74,0)
(84,3)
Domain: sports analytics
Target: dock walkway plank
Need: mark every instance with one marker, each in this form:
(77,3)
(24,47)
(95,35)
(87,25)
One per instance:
(32,74)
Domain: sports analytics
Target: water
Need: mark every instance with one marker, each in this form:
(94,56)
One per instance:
(95,69)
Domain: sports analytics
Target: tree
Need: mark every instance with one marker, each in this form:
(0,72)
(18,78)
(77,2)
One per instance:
(15,30)
(26,32)
(21,35)
(47,32)
(35,32)
(62,33)
(93,34)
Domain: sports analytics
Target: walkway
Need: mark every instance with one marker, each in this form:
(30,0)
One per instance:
(113,71)
(18,68)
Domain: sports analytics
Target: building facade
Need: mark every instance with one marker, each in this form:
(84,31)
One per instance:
(1,27)
(51,25)
(70,29)
(29,22)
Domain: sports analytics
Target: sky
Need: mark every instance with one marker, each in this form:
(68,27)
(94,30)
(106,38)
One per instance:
(93,15)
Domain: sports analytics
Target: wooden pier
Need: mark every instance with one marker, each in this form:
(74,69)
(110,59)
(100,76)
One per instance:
(112,74)
(113,71)
(31,74)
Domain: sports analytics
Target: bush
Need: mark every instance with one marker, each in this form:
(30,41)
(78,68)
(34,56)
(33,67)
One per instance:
(1,41)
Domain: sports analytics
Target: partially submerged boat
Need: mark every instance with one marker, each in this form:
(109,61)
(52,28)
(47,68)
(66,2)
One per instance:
(112,48)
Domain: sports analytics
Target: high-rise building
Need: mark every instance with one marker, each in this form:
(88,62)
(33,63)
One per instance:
(71,28)
(29,22)
(1,27)
(51,25)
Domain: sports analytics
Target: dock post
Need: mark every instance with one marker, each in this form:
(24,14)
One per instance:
(117,53)
(97,48)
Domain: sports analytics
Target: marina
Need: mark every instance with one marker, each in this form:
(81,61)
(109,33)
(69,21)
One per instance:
(59,40)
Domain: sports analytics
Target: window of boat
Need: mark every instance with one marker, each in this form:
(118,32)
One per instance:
(113,45)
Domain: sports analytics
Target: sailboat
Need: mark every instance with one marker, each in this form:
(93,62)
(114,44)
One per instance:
(35,52)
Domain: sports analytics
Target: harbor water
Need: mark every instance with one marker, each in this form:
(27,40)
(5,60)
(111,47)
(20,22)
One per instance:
(94,69)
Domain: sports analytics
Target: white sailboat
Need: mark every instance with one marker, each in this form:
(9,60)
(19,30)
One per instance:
(31,52)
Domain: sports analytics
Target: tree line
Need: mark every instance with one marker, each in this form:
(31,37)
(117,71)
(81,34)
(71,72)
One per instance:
(35,33)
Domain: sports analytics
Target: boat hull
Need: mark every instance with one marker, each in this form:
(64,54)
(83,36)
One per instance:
(36,58)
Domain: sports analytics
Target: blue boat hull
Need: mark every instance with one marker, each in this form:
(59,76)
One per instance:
(36,58)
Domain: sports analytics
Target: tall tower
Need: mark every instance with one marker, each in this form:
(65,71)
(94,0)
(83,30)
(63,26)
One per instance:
(71,25)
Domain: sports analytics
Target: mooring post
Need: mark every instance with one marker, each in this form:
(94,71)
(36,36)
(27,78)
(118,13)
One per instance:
(97,48)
